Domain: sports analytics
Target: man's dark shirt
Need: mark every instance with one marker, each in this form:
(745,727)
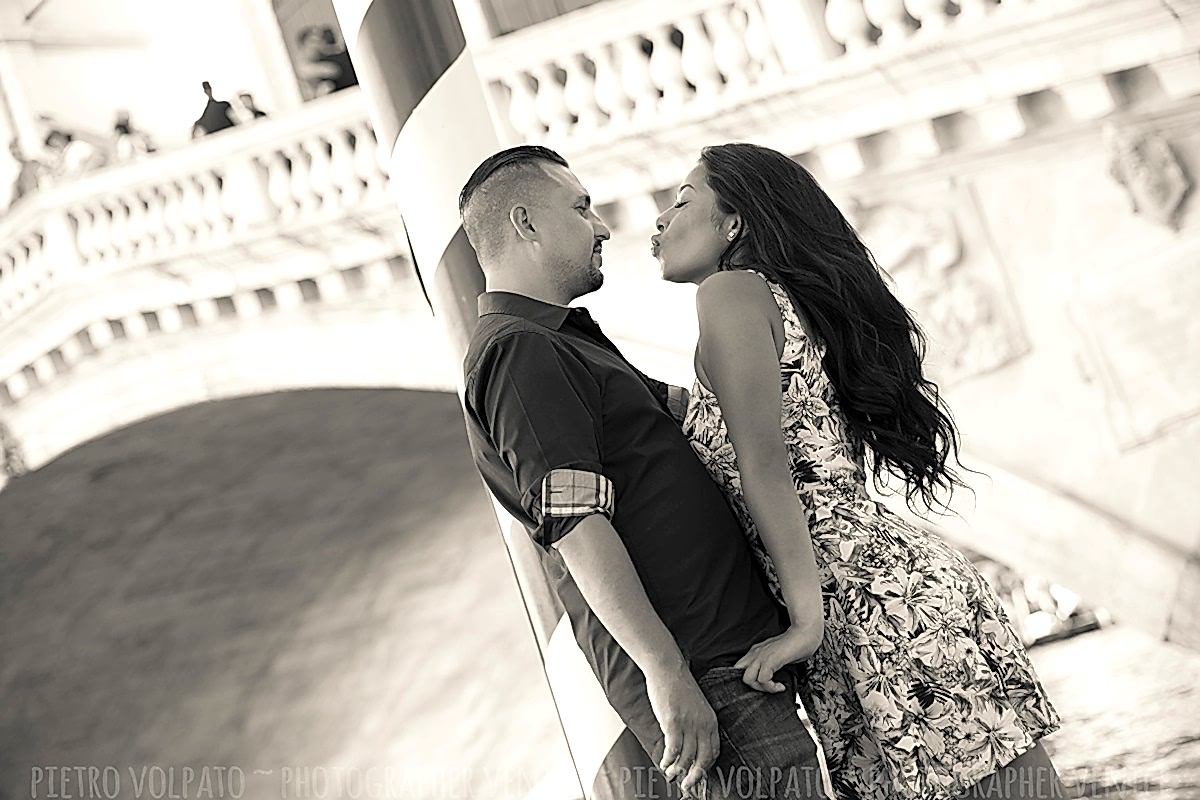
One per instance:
(562,426)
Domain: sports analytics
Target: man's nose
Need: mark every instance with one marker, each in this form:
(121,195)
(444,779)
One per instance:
(601,230)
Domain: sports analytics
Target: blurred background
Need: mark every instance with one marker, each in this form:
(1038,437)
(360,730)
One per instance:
(240,530)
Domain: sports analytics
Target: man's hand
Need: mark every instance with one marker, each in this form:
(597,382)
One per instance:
(689,725)
(795,644)
(600,565)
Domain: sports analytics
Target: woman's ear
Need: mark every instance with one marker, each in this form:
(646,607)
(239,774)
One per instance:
(735,227)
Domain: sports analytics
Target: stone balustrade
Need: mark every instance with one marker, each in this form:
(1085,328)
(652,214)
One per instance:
(630,90)
(301,170)
(619,65)
(625,62)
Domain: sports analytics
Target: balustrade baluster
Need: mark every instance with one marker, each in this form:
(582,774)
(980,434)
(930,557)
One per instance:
(759,42)
(279,183)
(320,180)
(579,94)
(891,18)
(135,226)
(634,68)
(301,187)
(666,68)
(179,236)
(728,45)
(244,199)
(59,247)
(366,161)
(930,13)
(551,105)
(522,107)
(192,211)
(341,169)
(102,234)
(697,57)
(122,244)
(848,24)
(35,263)
(211,211)
(84,236)
(610,94)
(19,276)
(158,237)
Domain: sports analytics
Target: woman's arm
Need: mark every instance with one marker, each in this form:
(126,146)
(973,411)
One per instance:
(739,356)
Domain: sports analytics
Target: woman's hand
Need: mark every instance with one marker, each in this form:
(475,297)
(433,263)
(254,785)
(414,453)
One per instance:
(767,657)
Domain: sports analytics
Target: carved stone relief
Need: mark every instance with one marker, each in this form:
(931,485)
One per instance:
(955,293)
(1140,338)
(1146,166)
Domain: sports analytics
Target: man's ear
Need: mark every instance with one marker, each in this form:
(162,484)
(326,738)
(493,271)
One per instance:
(519,217)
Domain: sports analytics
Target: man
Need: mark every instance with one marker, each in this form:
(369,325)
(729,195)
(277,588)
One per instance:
(248,109)
(583,449)
(30,173)
(217,116)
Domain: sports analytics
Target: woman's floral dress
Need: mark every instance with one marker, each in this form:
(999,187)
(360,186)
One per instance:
(920,687)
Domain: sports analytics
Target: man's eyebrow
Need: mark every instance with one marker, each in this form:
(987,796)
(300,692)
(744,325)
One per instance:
(586,199)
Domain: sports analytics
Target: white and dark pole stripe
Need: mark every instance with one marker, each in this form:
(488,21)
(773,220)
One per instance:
(430,116)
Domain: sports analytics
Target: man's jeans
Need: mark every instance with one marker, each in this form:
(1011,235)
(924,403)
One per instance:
(766,750)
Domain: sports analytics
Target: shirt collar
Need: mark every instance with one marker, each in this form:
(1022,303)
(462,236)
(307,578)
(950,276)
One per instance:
(518,305)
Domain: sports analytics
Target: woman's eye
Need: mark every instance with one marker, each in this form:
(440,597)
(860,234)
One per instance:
(680,204)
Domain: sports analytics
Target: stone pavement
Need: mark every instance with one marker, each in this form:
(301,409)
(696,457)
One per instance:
(288,581)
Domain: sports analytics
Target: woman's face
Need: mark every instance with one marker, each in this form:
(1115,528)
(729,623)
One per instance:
(692,233)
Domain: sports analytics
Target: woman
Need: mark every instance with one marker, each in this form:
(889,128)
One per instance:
(810,369)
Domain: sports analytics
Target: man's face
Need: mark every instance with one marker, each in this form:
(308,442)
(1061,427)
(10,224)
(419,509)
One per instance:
(571,235)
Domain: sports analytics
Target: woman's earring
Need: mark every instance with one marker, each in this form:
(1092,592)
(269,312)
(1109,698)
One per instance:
(732,235)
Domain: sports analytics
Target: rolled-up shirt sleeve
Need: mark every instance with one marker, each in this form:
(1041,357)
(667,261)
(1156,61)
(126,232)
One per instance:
(541,409)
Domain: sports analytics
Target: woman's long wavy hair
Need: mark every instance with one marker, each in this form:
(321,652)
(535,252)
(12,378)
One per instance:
(792,231)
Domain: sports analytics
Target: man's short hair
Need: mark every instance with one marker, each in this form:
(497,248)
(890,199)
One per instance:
(488,195)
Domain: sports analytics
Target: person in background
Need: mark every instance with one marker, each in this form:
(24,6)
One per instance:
(128,141)
(218,114)
(73,155)
(247,109)
(30,173)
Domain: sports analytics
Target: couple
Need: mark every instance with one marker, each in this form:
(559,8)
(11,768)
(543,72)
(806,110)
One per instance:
(761,569)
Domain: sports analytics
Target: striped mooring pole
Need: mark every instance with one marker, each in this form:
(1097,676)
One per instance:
(431,119)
